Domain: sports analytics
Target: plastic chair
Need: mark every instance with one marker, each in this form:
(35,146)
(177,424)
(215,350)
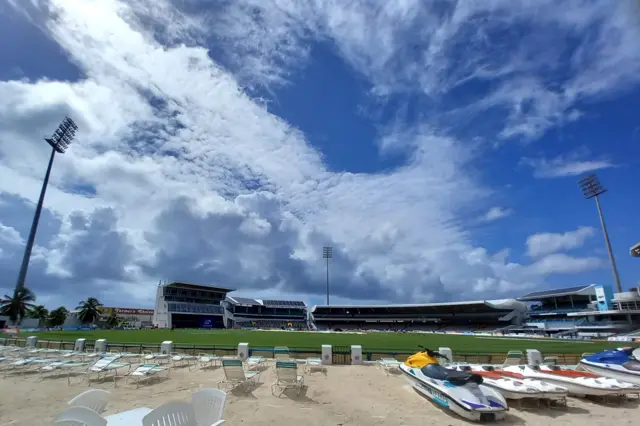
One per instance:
(94,399)
(174,413)
(79,416)
(209,406)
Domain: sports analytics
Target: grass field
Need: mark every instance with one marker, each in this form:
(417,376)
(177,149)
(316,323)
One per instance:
(400,342)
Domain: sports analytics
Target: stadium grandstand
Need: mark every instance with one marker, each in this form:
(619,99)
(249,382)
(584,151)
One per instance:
(184,305)
(582,311)
(478,316)
(242,312)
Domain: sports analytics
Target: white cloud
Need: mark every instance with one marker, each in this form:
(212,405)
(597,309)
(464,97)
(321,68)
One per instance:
(495,213)
(560,263)
(573,164)
(195,180)
(546,243)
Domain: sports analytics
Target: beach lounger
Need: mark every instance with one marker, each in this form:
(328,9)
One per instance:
(281,353)
(208,405)
(235,375)
(22,365)
(287,377)
(255,362)
(102,368)
(93,399)
(314,364)
(389,365)
(206,360)
(146,372)
(57,367)
(180,360)
(148,356)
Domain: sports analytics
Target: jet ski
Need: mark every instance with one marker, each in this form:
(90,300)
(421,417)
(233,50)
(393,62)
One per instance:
(623,387)
(459,391)
(575,384)
(622,364)
(515,386)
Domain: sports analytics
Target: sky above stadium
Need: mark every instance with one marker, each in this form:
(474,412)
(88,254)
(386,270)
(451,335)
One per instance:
(435,145)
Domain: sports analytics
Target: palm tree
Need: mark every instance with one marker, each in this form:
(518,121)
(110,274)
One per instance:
(89,310)
(57,317)
(112,321)
(18,306)
(41,313)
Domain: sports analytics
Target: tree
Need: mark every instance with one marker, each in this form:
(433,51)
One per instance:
(57,317)
(41,313)
(112,321)
(18,306)
(89,310)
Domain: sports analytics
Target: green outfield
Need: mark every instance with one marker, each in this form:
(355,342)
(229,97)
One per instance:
(371,342)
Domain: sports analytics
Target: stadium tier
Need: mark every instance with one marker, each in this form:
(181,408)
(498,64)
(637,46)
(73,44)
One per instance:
(582,311)
(183,305)
(456,316)
(241,312)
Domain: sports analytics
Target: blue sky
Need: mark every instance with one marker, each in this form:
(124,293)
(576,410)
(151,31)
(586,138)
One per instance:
(435,145)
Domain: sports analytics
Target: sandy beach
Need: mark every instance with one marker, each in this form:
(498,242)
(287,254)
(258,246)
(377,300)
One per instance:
(344,396)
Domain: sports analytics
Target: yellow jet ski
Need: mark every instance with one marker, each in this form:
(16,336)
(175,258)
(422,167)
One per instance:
(460,391)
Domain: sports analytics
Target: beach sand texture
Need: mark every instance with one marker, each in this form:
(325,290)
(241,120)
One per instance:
(344,396)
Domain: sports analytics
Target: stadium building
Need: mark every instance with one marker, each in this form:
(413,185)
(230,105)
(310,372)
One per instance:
(183,305)
(483,316)
(582,311)
(241,312)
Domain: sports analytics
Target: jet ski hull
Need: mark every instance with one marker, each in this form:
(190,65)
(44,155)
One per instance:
(470,401)
(575,385)
(516,388)
(613,371)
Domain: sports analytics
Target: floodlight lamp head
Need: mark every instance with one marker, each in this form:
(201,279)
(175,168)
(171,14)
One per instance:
(635,250)
(63,135)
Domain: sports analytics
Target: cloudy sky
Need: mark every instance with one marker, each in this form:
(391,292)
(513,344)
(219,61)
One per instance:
(435,145)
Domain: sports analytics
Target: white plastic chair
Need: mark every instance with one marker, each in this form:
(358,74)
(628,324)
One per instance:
(93,399)
(174,413)
(209,406)
(79,416)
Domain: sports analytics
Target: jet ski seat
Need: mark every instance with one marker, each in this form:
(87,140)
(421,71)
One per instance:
(458,378)
(632,365)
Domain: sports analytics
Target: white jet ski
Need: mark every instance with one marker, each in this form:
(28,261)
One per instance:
(461,392)
(575,384)
(624,387)
(622,364)
(516,386)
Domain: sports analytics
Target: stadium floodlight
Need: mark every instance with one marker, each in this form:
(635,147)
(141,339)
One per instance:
(59,142)
(327,253)
(635,250)
(591,188)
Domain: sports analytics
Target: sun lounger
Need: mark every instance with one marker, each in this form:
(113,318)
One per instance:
(235,375)
(102,368)
(145,372)
(206,360)
(314,364)
(180,360)
(287,377)
(57,367)
(389,365)
(22,365)
(255,362)
(148,356)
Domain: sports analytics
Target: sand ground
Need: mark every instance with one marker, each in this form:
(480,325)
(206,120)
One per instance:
(344,396)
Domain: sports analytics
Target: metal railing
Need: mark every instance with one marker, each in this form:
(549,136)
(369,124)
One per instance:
(341,354)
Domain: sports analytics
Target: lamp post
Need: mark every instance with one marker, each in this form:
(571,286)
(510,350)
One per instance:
(591,188)
(327,253)
(59,142)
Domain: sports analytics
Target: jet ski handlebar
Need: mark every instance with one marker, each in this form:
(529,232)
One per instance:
(432,353)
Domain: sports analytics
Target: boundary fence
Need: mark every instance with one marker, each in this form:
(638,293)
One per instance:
(341,354)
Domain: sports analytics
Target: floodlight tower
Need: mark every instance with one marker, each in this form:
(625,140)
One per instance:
(591,188)
(59,142)
(327,253)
